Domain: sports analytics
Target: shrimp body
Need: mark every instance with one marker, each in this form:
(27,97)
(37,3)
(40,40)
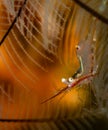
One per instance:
(85,54)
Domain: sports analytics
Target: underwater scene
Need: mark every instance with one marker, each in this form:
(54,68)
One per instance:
(53,65)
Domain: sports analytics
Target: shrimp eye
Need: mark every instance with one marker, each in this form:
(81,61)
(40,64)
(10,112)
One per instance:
(77,47)
(70,79)
(63,80)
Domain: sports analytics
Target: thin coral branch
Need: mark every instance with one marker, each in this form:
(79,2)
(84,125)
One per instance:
(91,11)
(26,120)
(14,21)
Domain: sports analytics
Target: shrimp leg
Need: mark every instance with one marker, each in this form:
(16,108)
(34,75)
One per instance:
(80,71)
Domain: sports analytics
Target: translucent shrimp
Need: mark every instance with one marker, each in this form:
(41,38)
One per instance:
(87,70)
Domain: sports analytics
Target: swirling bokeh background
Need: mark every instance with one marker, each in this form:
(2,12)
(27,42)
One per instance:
(38,51)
